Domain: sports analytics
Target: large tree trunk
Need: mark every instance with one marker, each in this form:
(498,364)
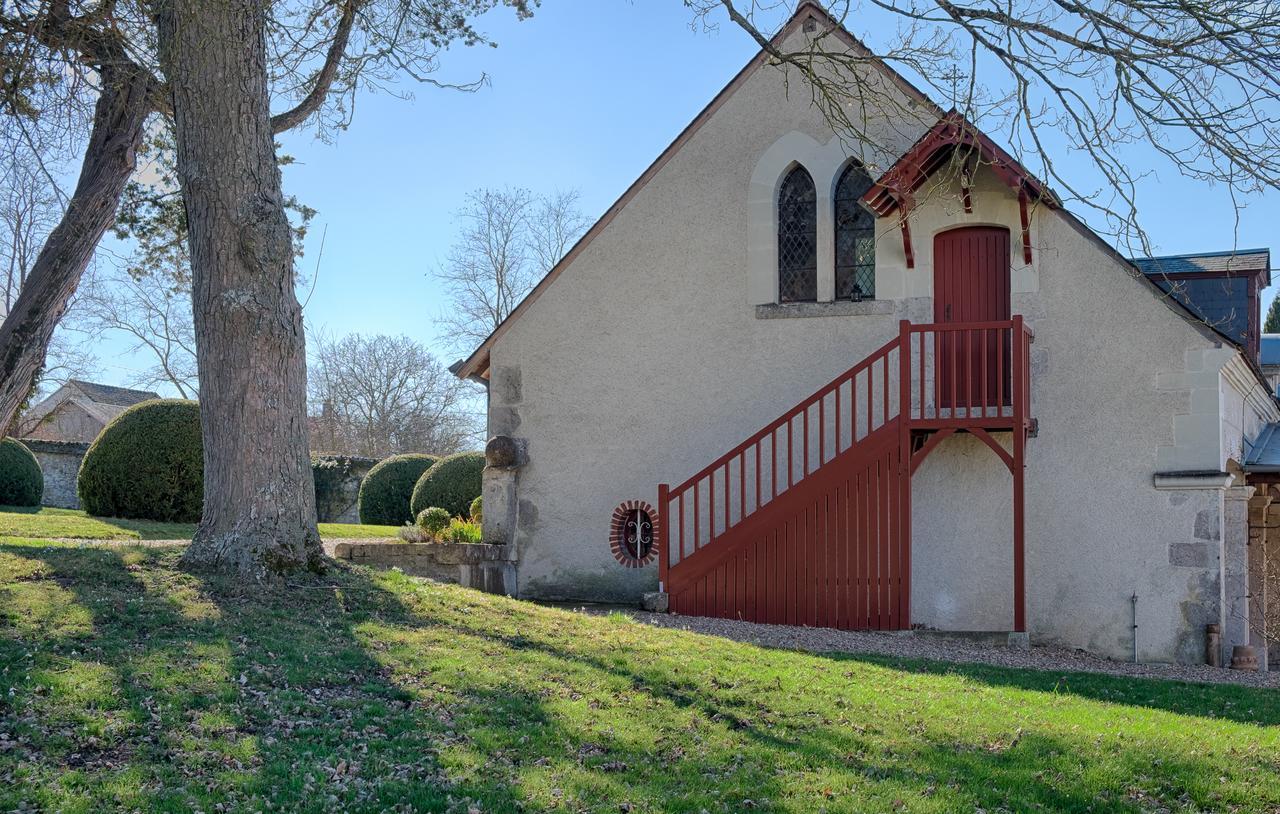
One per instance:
(109,159)
(259,517)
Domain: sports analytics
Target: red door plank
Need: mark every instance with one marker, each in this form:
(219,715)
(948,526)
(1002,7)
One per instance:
(971,283)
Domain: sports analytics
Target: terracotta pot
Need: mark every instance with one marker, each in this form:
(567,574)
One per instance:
(1244,658)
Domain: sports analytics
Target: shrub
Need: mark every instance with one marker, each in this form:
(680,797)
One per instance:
(21,481)
(433,520)
(477,510)
(147,464)
(451,483)
(461,531)
(386,490)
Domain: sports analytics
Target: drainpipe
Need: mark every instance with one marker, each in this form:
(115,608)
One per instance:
(1133,600)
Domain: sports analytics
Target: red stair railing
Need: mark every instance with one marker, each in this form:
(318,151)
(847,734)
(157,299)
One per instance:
(702,509)
(943,376)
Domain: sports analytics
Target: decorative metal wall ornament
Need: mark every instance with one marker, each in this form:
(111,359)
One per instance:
(855,237)
(797,238)
(631,534)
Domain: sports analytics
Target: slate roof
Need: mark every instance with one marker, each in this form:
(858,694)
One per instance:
(1269,353)
(1264,455)
(1224,298)
(1239,260)
(109,394)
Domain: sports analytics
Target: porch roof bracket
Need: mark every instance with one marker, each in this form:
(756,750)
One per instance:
(905,204)
(966,184)
(1025,216)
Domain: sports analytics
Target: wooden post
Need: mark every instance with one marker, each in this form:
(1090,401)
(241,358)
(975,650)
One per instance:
(664,556)
(1021,398)
(904,469)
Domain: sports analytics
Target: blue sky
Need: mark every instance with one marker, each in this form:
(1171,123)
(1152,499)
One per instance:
(582,96)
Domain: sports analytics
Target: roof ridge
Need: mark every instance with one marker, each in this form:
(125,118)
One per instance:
(1221,253)
(477,360)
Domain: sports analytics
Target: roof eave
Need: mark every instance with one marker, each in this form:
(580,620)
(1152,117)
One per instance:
(477,364)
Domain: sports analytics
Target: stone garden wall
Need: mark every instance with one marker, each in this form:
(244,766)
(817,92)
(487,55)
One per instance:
(486,568)
(340,504)
(60,461)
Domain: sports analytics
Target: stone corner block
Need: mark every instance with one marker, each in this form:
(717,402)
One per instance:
(655,601)
(342,551)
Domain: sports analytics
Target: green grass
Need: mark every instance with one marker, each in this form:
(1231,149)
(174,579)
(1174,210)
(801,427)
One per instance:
(130,685)
(73,523)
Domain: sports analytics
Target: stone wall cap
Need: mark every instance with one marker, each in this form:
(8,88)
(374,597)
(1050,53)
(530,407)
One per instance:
(64,447)
(1192,479)
(442,553)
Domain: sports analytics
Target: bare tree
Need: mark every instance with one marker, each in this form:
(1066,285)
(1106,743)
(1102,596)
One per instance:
(30,205)
(382,395)
(508,240)
(29,210)
(1197,81)
(155,315)
(215,67)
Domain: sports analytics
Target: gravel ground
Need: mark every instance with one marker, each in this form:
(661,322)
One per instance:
(941,648)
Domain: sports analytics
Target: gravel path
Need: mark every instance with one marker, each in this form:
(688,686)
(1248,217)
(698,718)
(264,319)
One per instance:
(934,646)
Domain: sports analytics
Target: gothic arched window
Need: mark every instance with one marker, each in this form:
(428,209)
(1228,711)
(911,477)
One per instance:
(855,237)
(797,238)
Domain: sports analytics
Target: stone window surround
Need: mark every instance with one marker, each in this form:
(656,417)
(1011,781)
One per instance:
(825,164)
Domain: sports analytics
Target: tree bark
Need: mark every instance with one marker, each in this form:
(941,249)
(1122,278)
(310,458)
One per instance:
(109,159)
(259,518)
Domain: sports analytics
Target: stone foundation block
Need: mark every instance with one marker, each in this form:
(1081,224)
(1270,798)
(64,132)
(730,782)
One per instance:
(655,601)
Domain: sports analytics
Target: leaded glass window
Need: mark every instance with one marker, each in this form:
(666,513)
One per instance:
(855,237)
(797,238)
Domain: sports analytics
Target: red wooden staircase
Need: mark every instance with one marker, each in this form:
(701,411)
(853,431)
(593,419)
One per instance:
(808,521)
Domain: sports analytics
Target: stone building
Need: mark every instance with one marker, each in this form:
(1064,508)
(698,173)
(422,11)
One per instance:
(78,410)
(796,377)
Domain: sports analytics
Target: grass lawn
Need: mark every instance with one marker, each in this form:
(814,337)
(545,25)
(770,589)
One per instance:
(130,685)
(46,522)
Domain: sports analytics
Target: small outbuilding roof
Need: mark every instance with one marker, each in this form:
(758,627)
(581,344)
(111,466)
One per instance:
(1237,261)
(1264,455)
(110,394)
(1269,350)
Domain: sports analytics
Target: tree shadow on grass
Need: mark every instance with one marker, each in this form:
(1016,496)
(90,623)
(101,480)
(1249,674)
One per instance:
(136,686)
(1231,702)
(1049,765)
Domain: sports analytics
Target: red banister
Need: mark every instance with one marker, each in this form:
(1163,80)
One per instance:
(664,555)
(883,351)
(964,373)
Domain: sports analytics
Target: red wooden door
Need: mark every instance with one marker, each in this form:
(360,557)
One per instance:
(971,283)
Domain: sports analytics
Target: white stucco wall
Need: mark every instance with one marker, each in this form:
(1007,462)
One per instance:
(645,360)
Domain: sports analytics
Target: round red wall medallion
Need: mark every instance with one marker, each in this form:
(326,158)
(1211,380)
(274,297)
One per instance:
(631,534)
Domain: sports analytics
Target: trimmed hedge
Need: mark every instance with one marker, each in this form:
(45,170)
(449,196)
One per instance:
(386,490)
(451,483)
(21,480)
(477,510)
(147,464)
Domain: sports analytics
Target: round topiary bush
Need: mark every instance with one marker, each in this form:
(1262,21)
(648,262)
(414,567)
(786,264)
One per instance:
(147,464)
(386,490)
(477,510)
(21,481)
(434,520)
(451,483)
